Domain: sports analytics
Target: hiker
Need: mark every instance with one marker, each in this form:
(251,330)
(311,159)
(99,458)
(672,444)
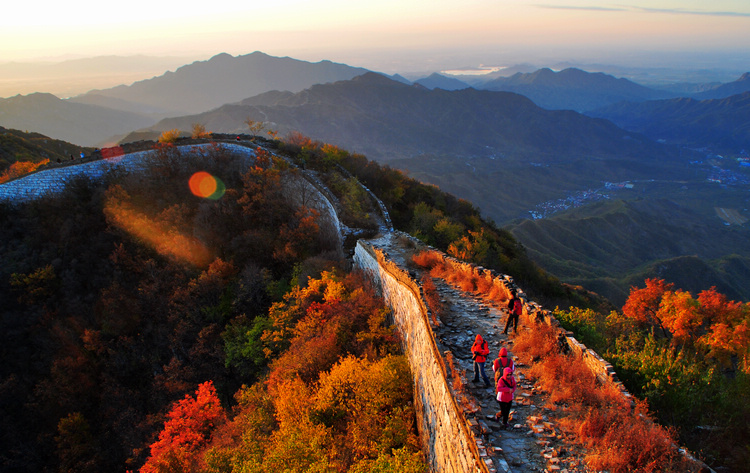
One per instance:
(503,361)
(506,386)
(515,308)
(479,352)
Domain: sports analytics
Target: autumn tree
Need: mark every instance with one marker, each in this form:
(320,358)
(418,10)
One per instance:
(169,136)
(643,303)
(189,426)
(20,168)
(255,127)
(199,131)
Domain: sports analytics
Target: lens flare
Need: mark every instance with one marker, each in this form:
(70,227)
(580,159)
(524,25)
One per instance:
(207,186)
(159,236)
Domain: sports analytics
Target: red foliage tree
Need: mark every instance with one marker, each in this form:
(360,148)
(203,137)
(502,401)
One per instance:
(188,428)
(643,303)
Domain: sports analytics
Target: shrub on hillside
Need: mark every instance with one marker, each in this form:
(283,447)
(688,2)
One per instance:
(618,440)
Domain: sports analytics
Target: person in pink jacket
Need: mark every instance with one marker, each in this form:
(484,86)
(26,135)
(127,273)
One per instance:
(503,361)
(479,352)
(506,387)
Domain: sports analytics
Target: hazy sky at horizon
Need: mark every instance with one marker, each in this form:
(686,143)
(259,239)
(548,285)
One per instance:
(387,35)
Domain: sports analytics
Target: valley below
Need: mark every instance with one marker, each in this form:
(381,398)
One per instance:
(609,226)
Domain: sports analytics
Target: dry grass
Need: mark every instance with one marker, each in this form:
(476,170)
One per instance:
(433,300)
(464,278)
(458,383)
(427,259)
(623,441)
(617,438)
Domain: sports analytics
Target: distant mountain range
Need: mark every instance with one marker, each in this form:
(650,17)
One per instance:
(573,89)
(500,150)
(79,123)
(388,120)
(722,91)
(439,81)
(610,246)
(719,124)
(204,85)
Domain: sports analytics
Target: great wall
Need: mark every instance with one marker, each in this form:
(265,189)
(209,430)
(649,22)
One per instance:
(456,423)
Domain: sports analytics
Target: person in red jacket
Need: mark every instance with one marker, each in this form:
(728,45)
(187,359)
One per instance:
(502,362)
(506,386)
(479,352)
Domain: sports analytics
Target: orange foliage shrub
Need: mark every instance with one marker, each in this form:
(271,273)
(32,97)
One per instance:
(169,136)
(188,428)
(465,278)
(20,168)
(427,259)
(433,299)
(712,324)
(620,441)
(617,439)
(329,318)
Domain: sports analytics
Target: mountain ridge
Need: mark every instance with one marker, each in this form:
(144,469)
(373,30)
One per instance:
(611,245)
(573,89)
(722,124)
(232,79)
(82,124)
(386,119)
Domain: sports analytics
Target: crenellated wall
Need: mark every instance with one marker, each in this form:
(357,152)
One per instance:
(533,312)
(450,444)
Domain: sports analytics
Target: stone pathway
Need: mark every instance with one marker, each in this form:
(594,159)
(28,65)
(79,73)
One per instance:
(531,443)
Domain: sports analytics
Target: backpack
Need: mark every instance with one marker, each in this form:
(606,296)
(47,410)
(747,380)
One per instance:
(517,307)
(500,368)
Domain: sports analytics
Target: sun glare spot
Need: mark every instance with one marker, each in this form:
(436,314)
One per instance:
(165,240)
(205,185)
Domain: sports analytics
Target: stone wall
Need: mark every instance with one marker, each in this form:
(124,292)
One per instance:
(533,313)
(450,444)
(307,188)
(56,176)
(420,345)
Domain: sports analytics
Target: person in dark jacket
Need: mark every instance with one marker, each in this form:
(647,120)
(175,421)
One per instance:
(479,352)
(506,387)
(515,307)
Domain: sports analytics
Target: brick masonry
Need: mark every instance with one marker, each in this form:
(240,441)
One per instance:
(450,445)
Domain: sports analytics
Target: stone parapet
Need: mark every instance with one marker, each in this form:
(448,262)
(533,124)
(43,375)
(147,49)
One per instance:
(446,434)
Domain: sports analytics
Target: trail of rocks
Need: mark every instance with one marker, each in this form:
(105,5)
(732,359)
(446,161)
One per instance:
(532,443)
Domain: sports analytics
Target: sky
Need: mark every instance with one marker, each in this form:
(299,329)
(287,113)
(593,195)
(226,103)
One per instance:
(385,35)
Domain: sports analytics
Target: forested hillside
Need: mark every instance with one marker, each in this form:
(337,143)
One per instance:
(137,310)
(30,150)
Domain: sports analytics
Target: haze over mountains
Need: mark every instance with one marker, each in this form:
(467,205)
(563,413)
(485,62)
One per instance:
(722,124)
(204,85)
(518,151)
(70,77)
(574,89)
(79,123)
(388,120)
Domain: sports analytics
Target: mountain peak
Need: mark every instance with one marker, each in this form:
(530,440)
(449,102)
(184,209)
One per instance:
(221,57)
(375,78)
